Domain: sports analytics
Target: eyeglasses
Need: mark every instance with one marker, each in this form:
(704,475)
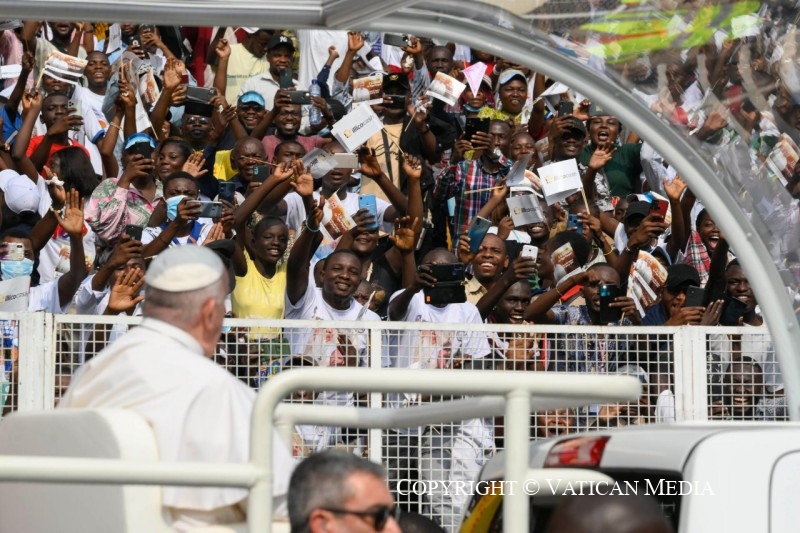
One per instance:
(251,107)
(196,120)
(380,516)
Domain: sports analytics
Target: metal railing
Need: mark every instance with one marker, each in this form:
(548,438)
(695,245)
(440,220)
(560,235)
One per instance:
(686,373)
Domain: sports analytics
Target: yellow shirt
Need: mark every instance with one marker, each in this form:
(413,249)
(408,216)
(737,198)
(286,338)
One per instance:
(258,297)
(242,65)
(222,165)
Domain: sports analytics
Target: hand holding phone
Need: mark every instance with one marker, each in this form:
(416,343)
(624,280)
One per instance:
(608,294)
(694,297)
(207,209)
(368,202)
(477,230)
(134,232)
(285,79)
(227,191)
(565,107)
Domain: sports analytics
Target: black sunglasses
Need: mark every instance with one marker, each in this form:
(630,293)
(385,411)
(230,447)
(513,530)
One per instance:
(380,515)
(251,107)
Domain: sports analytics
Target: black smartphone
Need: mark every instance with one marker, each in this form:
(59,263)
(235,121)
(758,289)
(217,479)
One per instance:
(565,107)
(135,43)
(396,101)
(299,97)
(445,294)
(208,209)
(474,125)
(261,173)
(134,232)
(695,296)
(596,110)
(200,94)
(732,311)
(607,295)
(286,79)
(448,272)
(394,39)
(147,27)
(227,191)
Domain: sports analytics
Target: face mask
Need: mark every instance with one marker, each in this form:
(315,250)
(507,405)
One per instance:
(172,206)
(469,109)
(16,269)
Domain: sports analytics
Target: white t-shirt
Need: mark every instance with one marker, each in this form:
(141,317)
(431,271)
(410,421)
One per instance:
(44,297)
(433,348)
(321,343)
(296,216)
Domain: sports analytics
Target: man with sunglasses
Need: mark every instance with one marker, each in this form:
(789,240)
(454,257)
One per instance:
(336,491)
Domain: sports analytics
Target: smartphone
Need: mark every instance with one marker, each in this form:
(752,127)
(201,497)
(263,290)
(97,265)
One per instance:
(286,79)
(445,294)
(135,43)
(261,173)
(574,221)
(608,294)
(659,207)
(368,202)
(474,125)
(76,106)
(15,251)
(398,40)
(732,311)
(565,107)
(208,209)
(134,232)
(346,160)
(185,78)
(200,94)
(596,111)
(529,250)
(227,191)
(476,232)
(449,272)
(395,101)
(147,27)
(695,297)
(299,97)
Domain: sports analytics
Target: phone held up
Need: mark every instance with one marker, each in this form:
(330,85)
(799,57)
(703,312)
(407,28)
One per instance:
(608,293)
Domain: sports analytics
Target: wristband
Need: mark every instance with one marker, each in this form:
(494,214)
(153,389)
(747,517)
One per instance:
(558,291)
(309,228)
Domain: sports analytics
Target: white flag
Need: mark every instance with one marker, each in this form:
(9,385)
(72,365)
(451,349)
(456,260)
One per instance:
(560,180)
(356,127)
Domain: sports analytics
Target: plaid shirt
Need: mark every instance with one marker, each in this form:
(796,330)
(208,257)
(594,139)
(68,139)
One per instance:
(457,180)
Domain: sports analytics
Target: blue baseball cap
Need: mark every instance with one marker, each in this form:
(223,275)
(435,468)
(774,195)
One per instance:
(252,97)
(137,138)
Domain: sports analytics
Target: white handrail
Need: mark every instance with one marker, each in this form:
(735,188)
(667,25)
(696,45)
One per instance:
(544,390)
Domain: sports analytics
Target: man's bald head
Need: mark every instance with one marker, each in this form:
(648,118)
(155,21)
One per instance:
(609,514)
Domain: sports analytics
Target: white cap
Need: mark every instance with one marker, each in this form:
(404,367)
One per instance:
(20,192)
(249,30)
(184,268)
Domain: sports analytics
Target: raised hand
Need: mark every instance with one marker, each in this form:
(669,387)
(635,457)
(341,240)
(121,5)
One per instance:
(365,222)
(72,222)
(223,49)
(187,213)
(65,123)
(463,251)
(415,48)
(332,53)
(524,268)
(412,166)
(124,251)
(124,295)
(126,98)
(172,74)
(675,188)
(216,233)
(370,167)
(315,217)
(404,238)
(57,193)
(304,184)
(195,164)
(355,41)
(601,156)
(138,167)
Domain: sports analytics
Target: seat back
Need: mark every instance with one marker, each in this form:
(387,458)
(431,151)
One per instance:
(75,508)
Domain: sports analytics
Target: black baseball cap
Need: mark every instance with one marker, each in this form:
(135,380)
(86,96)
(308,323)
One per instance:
(637,208)
(280,40)
(395,79)
(681,275)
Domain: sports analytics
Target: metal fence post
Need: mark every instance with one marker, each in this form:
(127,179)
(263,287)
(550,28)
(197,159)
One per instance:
(36,385)
(375,439)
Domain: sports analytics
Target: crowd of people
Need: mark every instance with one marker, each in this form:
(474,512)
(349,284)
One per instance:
(121,141)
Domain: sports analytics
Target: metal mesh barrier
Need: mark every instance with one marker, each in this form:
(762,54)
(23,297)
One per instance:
(741,375)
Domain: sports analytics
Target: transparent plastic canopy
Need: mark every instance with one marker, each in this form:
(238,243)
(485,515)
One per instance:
(712,87)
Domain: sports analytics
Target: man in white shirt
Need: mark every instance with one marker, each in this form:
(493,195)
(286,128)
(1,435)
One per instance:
(280,54)
(448,453)
(163,371)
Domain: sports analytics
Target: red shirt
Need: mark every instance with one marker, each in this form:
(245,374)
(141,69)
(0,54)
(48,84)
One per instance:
(55,147)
